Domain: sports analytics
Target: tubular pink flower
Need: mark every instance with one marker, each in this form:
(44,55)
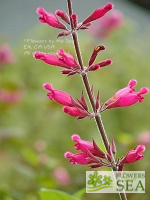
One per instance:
(62,60)
(79,158)
(98,13)
(63,15)
(126,96)
(61,175)
(107,24)
(75,112)
(82,145)
(58,95)
(111,22)
(6,56)
(50,59)
(50,19)
(135,154)
(68,59)
(10,96)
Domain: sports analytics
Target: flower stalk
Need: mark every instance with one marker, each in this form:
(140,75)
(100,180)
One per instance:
(90,154)
(86,83)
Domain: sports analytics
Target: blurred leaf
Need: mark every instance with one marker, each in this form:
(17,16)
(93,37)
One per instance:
(47,194)
(30,156)
(80,193)
(125,138)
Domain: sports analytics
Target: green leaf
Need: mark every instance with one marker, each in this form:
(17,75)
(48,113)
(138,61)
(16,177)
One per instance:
(80,193)
(48,194)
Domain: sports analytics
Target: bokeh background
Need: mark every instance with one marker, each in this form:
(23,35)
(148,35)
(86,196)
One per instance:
(34,132)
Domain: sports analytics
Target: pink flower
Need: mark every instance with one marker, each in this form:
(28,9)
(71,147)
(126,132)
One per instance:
(82,145)
(126,96)
(144,138)
(58,95)
(62,60)
(10,96)
(50,19)
(78,158)
(91,153)
(104,26)
(6,56)
(71,107)
(63,15)
(68,59)
(98,13)
(135,154)
(61,176)
(75,112)
(131,157)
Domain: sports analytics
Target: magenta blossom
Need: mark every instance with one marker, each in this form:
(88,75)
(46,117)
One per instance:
(107,24)
(126,96)
(50,19)
(78,158)
(76,109)
(75,112)
(10,96)
(90,153)
(63,15)
(61,175)
(63,59)
(82,145)
(6,55)
(144,138)
(135,154)
(98,13)
(58,95)
(131,157)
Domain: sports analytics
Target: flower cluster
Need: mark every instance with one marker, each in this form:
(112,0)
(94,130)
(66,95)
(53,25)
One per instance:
(89,153)
(92,155)
(53,21)
(70,106)
(67,61)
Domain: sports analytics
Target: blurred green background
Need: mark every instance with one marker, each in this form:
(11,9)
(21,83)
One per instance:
(35,133)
